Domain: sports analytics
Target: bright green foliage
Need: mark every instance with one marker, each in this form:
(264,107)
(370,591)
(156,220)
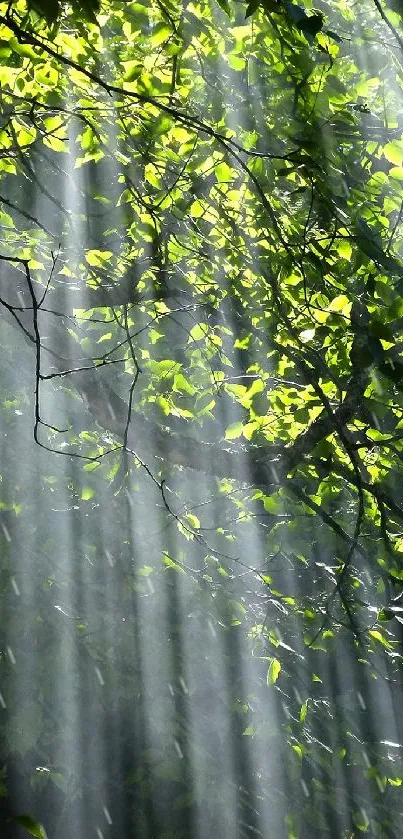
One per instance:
(31,826)
(273,671)
(208,197)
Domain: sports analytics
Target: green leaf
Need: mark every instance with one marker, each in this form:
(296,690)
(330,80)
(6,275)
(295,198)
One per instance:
(296,13)
(377,636)
(303,711)
(48,9)
(341,303)
(223,172)
(395,782)
(273,504)
(97,258)
(30,825)
(394,152)
(273,671)
(312,24)
(234,431)
(385,615)
(252,7)
(160,34)
(191,519)
(170,563)
(249,731)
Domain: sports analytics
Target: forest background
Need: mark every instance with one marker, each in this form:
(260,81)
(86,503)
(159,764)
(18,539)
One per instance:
(201,381)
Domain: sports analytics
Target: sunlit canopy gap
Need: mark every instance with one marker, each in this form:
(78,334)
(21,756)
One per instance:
(200,295)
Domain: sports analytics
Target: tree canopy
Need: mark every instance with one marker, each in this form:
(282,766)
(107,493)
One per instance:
(201,392)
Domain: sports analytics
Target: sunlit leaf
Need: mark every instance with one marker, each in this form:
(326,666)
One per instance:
(234,431)
(273,671)
(31,826)
(192,520)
